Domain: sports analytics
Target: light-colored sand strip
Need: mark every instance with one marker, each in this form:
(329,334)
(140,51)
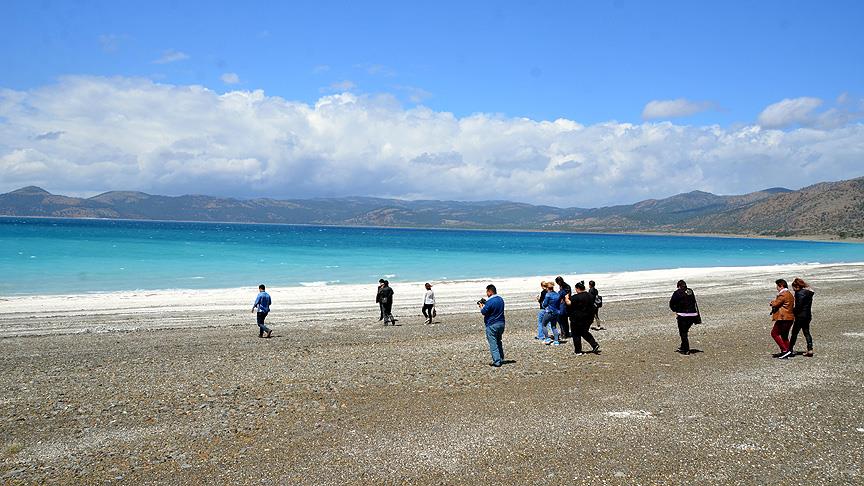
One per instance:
(329,303)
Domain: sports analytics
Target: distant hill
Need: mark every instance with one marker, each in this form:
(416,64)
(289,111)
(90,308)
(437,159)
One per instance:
(830,209)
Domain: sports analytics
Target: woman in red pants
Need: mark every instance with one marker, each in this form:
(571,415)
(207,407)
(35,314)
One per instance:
(782,314)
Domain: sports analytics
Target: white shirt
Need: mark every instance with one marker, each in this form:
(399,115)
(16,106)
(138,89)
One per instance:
(429,298)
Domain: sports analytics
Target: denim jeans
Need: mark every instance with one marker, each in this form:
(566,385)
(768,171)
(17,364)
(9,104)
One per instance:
(551,319)
(493,335)
(261,327)
(541,333)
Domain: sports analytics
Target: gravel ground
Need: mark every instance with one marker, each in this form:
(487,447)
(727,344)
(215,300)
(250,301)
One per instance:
(356,403)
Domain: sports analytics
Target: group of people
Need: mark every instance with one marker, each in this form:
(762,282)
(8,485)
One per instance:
(572,312)
(574,309)
(791,312)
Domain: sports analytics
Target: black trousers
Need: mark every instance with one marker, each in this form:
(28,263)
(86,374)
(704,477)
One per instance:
(801,324)
(581,330)
(381,308)
(684,325)
(564,324)
(387,315)
(427,311)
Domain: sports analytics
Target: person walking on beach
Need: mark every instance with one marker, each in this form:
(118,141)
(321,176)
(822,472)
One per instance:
(552,303)
(564,291)
(378,298)
(387,303)
(782,313)
(541,332)
(261,307)
(598,303)
(428,303)
(581,308)
(803,315)
(492,309)
(683,304)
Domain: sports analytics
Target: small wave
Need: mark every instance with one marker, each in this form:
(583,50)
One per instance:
(197,278)
(331,266)
(319,283)
(390,275)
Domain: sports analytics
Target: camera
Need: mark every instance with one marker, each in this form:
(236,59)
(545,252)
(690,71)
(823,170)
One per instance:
(481,302)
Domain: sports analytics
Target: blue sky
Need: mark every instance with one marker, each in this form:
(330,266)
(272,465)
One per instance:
(702,63)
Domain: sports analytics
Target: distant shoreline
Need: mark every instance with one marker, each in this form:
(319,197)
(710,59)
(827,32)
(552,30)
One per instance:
(811,238)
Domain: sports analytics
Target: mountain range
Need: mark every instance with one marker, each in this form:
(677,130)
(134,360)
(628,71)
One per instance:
(825,210)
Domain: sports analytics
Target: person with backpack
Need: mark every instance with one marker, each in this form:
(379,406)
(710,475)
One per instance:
(598,303)
(261,307)
(581,308)
(683,304)
(803,315)
(387,303)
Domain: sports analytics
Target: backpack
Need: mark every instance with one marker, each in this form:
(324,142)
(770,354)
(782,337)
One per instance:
(598,301)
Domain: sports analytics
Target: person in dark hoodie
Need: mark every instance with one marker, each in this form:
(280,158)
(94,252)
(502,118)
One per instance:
(564,290)
(581,308)
(683,304)
(387,303)
(803,315)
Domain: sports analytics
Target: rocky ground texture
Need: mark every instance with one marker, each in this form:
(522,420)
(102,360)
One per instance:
(353,402)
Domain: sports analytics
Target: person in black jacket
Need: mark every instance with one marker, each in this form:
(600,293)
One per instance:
(592,289)
(563,290)
(683,304)
(378,299)
(387,303)
(803,315)
(580,306)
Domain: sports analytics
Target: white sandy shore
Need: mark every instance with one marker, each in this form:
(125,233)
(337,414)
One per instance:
(295,305)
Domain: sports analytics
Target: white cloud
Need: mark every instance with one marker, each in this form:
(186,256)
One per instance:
(789,112)
(230,78)
(339,86)
(664,109)
(805,112)
(170,56)
(121,133)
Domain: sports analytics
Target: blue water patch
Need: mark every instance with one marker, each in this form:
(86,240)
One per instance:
(74,255)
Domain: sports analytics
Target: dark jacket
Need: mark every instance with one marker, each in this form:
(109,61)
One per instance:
(541,298)
(803,303)
(385,295)
(581,308)
(563,291)
(684,301)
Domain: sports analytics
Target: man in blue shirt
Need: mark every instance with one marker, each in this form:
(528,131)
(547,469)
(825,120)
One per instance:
(493,315)
(262,307)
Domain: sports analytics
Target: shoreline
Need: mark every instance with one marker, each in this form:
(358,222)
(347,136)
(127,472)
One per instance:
(810,238)
(295,307)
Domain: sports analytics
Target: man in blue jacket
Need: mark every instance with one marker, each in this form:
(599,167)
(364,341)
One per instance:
(493,315)
(262,308)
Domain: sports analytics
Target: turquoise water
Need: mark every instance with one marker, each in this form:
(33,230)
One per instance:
(73,256)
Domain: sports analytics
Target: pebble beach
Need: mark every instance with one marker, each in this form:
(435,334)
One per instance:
(149,392)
